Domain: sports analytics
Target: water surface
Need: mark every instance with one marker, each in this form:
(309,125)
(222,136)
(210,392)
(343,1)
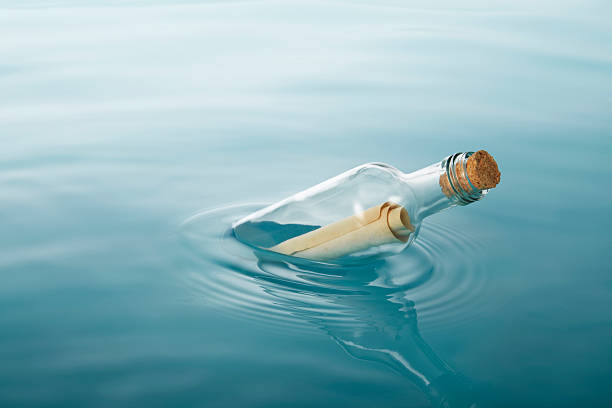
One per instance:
(134,132)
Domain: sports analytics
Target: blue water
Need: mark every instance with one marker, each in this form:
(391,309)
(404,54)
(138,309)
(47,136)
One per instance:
(134,132)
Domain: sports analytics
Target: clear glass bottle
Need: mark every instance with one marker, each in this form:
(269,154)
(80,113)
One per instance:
(459,179)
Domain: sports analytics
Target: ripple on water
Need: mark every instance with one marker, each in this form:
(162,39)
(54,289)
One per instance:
(438,276)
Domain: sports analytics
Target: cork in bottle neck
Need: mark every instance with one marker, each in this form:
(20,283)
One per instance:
(468,176)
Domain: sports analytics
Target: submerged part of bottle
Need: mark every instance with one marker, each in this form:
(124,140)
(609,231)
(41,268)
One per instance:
(371,210)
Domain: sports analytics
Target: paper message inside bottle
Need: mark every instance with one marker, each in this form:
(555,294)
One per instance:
(382,224)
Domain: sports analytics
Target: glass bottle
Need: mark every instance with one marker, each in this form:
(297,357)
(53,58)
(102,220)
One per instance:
(372,210)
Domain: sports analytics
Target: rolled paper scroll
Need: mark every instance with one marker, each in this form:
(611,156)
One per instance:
(382,224)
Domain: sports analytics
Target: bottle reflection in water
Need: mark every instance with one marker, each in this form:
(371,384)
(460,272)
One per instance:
(375,323)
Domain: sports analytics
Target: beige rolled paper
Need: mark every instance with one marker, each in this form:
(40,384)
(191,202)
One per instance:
(382,224)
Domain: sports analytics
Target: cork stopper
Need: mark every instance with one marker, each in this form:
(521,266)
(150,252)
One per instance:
(467,177)
(482,170)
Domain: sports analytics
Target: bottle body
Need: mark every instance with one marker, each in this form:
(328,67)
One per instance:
(354,210)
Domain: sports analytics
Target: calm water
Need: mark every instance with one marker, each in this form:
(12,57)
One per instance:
(133,134)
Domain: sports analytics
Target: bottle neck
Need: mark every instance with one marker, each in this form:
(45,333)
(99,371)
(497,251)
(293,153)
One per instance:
(443,185)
